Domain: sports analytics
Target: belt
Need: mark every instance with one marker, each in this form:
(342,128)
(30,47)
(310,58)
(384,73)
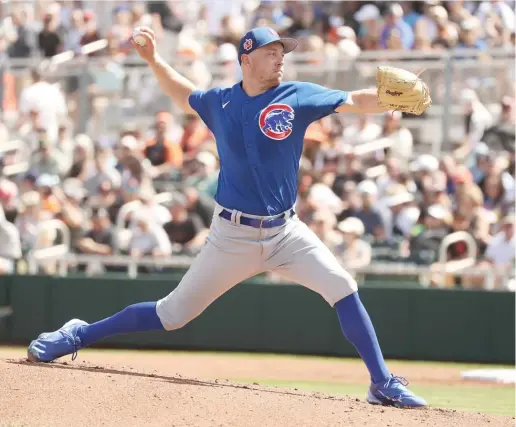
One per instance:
(258,222)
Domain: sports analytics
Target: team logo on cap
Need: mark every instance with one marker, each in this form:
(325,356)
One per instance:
(276,121)
(248,44)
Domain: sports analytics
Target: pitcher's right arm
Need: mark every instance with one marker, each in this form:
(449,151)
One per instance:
(177,87)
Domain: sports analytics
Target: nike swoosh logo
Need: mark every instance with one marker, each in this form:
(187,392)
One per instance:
(224,105)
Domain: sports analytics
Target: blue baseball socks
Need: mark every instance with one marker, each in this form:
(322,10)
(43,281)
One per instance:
(358,329)
(134,318)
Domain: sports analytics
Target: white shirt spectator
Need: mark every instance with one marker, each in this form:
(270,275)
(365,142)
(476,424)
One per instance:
(154,239)
(158,213)
(356,134)
(402,143)
(48,100)
(499,8)
(500,250)
(10,246)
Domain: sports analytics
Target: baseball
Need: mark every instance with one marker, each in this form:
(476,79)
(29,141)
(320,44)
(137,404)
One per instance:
(139,38)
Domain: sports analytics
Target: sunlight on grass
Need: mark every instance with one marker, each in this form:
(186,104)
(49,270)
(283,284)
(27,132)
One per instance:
(498,400)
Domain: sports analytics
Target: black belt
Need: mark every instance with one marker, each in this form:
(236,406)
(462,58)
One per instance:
(258,222)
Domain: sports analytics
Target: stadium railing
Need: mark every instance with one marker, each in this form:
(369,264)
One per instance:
(95,265)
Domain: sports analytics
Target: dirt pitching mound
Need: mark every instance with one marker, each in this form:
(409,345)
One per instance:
(125,394)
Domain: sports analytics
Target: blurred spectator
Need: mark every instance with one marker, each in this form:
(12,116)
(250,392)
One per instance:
(158,213)
(399,136)
(70,197)
(10,246)
(350,169)
(499,255)
(399,215)
(104,171)
(82,162)
(195,135)
(347,43)
(8,198)
(457,11)
(228,70)
(484,162)
(494,193)
(203,173)
(99,239)
(49,41)
(363,206)
(391,176)
(303,20)
(353,252)
(269,13)
(323,223)
(396,34)
(477,119)
(502,134)
(189,54)
(497,8)
(423,167)
(368,17)
(470,35)
(48,160)
(164,155)
(410,14)
(20,32)
(29,219)
(432,227)
(365,130)
(200,204)
(185,229)
(74,32)
(91,33)
(45,185)
(47,100)
(149,238)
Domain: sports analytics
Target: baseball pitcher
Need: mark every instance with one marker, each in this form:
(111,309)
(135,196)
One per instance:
(259,125)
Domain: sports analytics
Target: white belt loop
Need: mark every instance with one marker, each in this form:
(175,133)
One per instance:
(233,215)
(237,217)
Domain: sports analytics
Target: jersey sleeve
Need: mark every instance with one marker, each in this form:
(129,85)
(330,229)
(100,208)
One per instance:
(203,102)
(316,102)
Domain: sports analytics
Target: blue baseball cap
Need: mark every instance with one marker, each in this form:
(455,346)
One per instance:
(262,36)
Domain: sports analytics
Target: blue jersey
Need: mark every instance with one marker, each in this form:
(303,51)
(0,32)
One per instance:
(260,140)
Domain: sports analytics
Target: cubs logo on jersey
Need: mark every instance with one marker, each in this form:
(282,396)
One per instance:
(276,121)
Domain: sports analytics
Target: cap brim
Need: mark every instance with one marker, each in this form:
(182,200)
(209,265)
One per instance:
(289,44)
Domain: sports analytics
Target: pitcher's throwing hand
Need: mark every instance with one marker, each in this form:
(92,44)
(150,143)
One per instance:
(146,49)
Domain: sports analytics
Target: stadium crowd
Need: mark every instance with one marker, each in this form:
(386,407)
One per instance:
(384,204)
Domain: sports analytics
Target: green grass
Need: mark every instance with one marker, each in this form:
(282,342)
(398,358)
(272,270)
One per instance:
(497,400)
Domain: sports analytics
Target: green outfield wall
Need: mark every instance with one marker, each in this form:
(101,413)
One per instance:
(411,323)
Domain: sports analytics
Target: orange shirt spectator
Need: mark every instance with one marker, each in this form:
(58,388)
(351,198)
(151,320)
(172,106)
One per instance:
(163,154)
(194,136)
(164,151)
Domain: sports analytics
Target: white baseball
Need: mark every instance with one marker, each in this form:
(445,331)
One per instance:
(140,39)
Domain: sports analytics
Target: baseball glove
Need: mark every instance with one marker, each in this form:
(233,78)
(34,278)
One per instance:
(402,90)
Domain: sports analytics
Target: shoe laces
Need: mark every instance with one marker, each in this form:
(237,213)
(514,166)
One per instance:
(395,380)
(76,343)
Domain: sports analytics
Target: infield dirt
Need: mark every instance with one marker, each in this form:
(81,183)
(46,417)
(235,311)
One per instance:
(168,389)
